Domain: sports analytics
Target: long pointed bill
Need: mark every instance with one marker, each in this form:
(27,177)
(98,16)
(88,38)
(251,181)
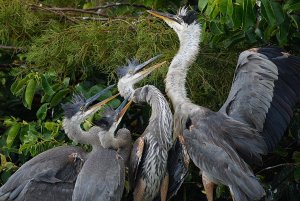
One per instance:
(164,16)
(121,110)
(142,74)
(98,106)
(96,96)
(141,66)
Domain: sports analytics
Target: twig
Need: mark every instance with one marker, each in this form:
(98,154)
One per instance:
(55,12)
(119,4)
(9,66)
(18,49)
(76,10)
(276,166)
(92,18)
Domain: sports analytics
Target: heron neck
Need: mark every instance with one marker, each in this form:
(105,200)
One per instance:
(161,116)
(176,76)
(75,133)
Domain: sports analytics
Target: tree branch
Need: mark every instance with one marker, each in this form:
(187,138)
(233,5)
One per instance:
(119,4)
(276,166)
(18,49)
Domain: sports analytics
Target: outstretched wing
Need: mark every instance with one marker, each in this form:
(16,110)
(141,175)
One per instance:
(219,160)
(55,167)
(101,178)
(137,153)
(264,92)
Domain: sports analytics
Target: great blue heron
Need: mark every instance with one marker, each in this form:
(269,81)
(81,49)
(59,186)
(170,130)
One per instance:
(254,117)
(51,175)
(148,170)
(103,174)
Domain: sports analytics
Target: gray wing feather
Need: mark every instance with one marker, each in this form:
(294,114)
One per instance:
(264,92)
(101,178)
(135,158)
(50,168)
(221,162)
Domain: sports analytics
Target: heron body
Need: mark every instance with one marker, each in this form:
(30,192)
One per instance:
(259,107)
(148,163)
(50,175)
(103,174)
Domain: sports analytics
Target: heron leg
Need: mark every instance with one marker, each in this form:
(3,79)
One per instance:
(164,188)
(139,190)
(208,187)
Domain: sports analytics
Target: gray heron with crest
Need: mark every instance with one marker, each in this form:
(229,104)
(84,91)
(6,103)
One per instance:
(52,174)
(149,173)
(264,91)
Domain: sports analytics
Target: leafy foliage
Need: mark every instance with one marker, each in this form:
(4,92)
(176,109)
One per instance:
(59,53)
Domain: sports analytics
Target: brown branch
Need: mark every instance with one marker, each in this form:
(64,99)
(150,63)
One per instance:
(77,11)
(18,49)
(54,12)
(2,66)
(119,4)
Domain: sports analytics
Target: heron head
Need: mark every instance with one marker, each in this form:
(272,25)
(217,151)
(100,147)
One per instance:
(111,118)
(81,108)
(181,22)
(132,73)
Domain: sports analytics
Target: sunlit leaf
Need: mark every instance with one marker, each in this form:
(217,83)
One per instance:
(29,93)
(12,134)
(42,111)
(57,98)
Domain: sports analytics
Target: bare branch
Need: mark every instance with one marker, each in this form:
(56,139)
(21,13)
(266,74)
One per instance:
(18,49)
(119,4)
(54,12)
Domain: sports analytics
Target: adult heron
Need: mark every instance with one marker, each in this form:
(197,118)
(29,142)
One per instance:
(254,117)
(102,176)
(148,166)
(51,175)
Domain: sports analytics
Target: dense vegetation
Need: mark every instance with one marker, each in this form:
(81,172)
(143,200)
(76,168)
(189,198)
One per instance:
(47,53)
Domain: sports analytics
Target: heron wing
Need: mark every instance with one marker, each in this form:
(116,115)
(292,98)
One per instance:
(137,153)
(52,166)
(264,92)
(219,160)
(101,178)
(178,164)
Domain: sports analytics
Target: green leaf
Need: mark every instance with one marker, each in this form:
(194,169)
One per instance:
(66,82)
(46,86)
(202,4)
(249,17)
(114,103)
(42,111)
(18,86)
(12,133)
(29,93)
(51,126)
(57,98)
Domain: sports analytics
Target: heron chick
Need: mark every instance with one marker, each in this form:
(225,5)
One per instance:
(52,174)
(103,174)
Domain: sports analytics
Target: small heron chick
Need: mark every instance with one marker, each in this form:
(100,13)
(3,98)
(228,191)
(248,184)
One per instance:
(51,175)
(133,73)
(103,174)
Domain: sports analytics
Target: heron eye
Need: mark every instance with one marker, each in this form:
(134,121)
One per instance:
(130,71)
(81,108)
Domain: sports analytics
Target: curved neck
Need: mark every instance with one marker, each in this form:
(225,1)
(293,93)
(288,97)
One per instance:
(75,133)
(161,115)
(176,76)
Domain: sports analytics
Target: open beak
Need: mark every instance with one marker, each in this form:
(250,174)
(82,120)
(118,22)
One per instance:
(96,96)
(165,16)
(121,110)
(98,106)
(142,74)
(141,66)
